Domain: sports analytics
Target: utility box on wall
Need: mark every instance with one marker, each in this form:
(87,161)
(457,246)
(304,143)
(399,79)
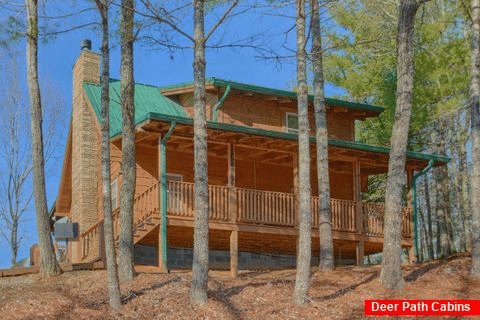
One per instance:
(66,231)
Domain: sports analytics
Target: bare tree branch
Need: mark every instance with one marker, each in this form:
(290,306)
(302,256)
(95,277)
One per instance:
(157,17)
(220,21)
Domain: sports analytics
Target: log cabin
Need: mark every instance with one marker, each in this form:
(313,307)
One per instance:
(252,174)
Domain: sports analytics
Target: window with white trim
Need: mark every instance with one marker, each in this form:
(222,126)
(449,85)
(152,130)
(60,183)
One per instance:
(114,191)
(291,122)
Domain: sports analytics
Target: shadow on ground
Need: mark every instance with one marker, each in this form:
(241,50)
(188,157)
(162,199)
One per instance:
(224,295)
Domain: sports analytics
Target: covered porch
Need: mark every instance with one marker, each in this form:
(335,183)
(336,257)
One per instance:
(252,191)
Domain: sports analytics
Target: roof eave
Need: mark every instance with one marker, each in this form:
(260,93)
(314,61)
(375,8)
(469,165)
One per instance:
(188,86)
(439,160)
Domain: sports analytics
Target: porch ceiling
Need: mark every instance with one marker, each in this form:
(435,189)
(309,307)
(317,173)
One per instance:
(271,149)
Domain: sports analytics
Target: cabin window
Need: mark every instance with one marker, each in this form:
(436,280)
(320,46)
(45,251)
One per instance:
(291,121)
(174,177)
(114,191)
(174,198)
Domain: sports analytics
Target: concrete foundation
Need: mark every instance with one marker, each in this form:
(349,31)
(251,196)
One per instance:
(182,258)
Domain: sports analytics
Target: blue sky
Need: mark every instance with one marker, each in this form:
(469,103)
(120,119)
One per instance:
(157,67)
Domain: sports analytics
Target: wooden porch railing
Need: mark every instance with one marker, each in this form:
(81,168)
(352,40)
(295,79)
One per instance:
(90,240)
(277,209)
(342,211)
(266,207)
(90,243)
(180,200)
(145,204)
(373,219)
(245,206)
(373,214)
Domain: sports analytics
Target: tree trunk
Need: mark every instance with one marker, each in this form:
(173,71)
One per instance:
(457,170)
(441,179)
(475,134)
(14,245)
(112,270)
(391,273)
(325,228)
(438,246)
(127,92)
(200,239)
(48,264)
(465,182)
(304,189)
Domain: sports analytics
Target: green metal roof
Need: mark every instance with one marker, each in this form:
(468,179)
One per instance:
(147,99)
(277,92)
(293,136)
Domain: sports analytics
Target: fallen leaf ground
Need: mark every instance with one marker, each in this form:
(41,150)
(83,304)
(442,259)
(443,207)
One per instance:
(253,295)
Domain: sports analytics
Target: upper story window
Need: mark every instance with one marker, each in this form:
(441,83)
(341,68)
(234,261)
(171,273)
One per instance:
(114,191)
(291,121)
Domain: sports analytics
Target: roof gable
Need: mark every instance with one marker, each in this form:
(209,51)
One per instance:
(147,99)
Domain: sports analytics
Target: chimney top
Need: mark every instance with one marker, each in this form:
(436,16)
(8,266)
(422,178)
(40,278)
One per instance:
(86,44)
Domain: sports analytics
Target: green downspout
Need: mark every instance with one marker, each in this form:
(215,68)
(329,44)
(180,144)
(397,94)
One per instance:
(220,102)
(163,191)
(414,204)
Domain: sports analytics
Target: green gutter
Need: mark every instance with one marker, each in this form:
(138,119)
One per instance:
(220,102)
(414,204)
(289,136)
(163,192)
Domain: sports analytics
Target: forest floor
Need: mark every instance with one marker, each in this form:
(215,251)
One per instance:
(339,294)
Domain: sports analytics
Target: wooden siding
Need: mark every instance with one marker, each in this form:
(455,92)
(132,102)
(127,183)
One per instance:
(64,198)
(147,169)
(186,100)
(253,112)
(269,113)
(340,124)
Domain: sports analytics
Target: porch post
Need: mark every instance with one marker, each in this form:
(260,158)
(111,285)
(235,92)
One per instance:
(101,243)
(295,192)
(232,207)
(409,184)
(295,187)
(161,250)
(231,183)
(357,197)
(411,255)
(234,253)
(411,252)
(162,170)
(360,253)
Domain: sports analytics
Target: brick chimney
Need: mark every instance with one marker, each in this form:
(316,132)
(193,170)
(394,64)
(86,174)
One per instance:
(85,143)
